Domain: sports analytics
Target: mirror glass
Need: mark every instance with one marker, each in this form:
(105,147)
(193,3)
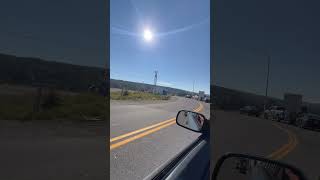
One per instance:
(190,120)
(243,168)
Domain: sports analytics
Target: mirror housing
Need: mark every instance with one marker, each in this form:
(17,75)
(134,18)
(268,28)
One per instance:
(191,120)
(242,166)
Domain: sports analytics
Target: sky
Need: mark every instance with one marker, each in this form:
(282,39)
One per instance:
(246,31)
(179,49)
(72,31)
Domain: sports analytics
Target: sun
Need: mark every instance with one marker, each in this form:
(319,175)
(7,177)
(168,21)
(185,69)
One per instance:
(147,35)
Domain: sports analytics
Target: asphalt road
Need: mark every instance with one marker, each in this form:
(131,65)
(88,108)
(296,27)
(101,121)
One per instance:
(137,155)
(135,158)
(52,150)
(232,132)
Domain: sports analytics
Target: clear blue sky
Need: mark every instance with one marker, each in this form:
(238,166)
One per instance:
(72,31)
(179,50)
(288,30)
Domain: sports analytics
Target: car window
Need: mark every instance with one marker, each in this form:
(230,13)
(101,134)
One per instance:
(266,54)
(54,103)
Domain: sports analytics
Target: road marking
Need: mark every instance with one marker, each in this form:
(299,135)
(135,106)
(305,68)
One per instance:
(285,149)
(150,127)
(140,130)
(285,152)
(126,141)
(153,128)
(276,155)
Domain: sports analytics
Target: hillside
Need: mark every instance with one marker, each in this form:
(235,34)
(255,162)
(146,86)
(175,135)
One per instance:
(34,71)
(135,86)
(28,71)
(234,99)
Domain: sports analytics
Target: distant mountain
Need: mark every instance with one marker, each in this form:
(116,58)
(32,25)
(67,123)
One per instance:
(35,71)
(114,83)
(28,71)
(234,99)
(222,97)
(225,98)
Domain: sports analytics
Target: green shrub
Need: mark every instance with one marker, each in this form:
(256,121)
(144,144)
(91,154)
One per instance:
(138,96)
(51,100)
(125,93)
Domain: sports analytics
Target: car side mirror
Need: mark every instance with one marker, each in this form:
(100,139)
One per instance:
(239,166)
(191,120)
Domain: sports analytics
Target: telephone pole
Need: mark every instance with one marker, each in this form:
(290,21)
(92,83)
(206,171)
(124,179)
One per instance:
(155,81)
(193,89)
(267,83)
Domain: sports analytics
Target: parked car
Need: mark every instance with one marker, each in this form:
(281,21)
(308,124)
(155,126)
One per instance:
(276,113)
(308,121)
(188,96)
(250,110)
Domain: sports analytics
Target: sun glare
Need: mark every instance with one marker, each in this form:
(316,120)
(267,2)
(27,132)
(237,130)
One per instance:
(147,35)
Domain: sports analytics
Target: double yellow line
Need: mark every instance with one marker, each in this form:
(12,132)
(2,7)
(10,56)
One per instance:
(144,131)
(137,134)
(286,148)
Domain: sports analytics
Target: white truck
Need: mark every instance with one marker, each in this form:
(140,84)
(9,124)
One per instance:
(287,113)
(275,113)
(201,96)
(293,105)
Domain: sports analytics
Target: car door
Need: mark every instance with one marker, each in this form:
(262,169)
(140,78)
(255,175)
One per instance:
(192,163)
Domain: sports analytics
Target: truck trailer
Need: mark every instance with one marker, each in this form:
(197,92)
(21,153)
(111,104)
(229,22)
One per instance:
(293,105)
(201,96)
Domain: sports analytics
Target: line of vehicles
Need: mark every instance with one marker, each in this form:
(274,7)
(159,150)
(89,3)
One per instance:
(292,112)
(200,96)
(194,160)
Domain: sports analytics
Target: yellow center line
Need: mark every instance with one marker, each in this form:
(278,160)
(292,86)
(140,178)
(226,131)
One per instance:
(126,141)
(285,149)
(278,154)
(153,128)
(140,130)
(294,143)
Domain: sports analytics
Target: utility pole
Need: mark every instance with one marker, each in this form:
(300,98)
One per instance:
(155,80)
(193,89)
(267,83)
(142,89)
